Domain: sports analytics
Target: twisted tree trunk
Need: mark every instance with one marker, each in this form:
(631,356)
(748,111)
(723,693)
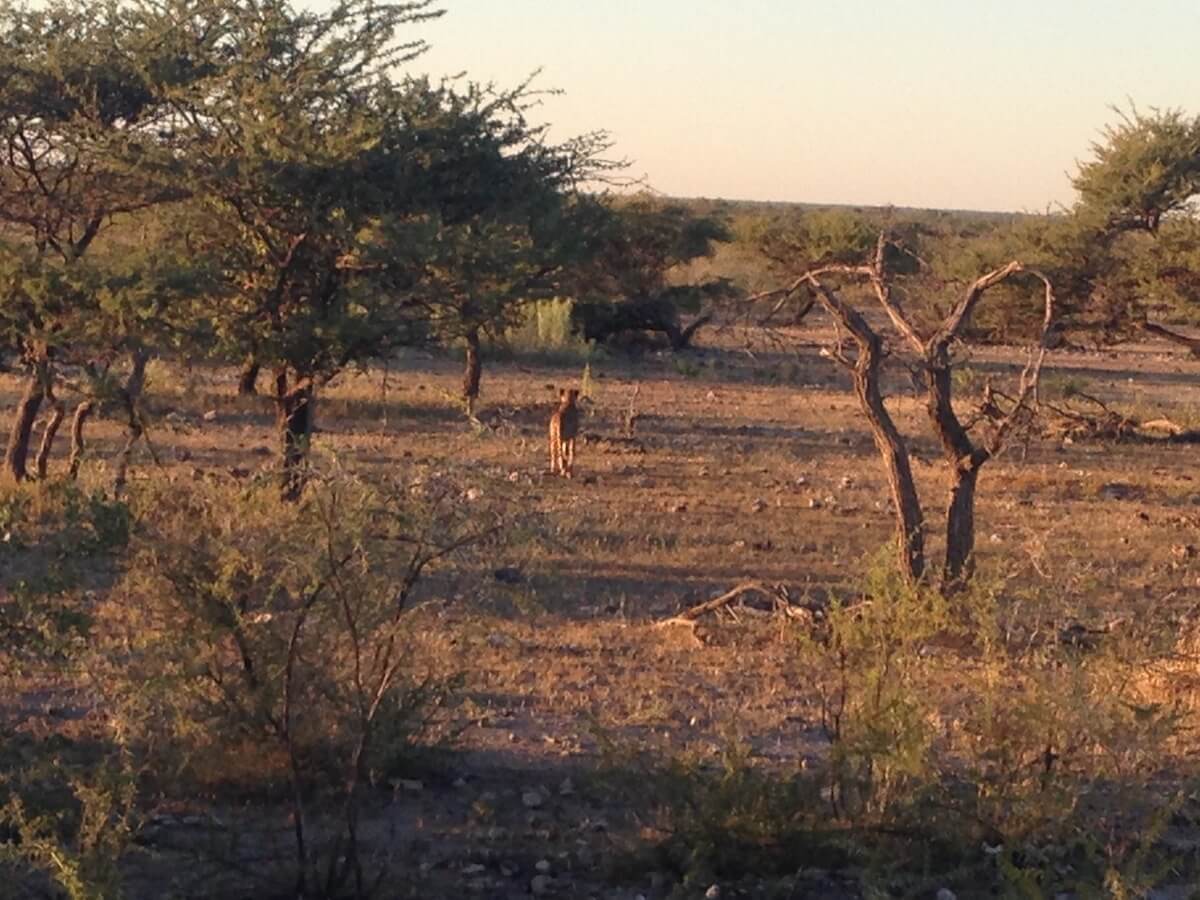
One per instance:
(910,519)
(16,455)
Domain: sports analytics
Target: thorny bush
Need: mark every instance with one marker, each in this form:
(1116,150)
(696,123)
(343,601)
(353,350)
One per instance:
(267,644)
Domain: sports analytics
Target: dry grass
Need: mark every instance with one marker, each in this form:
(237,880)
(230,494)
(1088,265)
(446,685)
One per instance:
(741,466)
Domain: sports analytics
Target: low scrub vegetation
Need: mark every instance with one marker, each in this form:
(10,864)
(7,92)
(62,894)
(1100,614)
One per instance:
(956,751)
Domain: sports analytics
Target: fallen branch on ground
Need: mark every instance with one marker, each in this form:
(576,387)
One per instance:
(778,594)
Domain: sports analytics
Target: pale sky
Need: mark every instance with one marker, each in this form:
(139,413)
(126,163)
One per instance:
(932,103)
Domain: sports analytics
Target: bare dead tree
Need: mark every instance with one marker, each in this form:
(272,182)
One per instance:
(963,454)
(864,368)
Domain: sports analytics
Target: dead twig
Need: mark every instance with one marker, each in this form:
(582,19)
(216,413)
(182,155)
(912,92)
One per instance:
(777,594)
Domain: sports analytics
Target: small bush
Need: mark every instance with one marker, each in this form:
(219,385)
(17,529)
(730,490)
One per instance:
(69,822)
(56,543)
(954,758)
(266,645)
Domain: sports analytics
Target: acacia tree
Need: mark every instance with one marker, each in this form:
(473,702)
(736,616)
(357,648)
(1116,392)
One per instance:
(638,249)
(287,135)
(964,453)
(1137,207)
(500,206)
(80,118)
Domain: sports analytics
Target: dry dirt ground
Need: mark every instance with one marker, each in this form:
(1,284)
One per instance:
(748,459)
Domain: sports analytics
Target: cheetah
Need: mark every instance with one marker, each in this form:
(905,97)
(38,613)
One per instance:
(564,426)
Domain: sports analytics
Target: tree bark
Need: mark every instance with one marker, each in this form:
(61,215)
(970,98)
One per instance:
(248,378)
(472,371)
(960,530)
(50,431)
(294,420)
(134,430)
(910,519)
(17,454)
(82,412)
(964,460)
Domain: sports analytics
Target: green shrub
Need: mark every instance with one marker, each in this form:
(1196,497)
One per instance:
(69,822)
(956,757)
(266,645)
(56,543)
(546,327)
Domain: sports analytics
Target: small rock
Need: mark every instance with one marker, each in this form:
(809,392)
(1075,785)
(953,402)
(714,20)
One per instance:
(410,785)
(847,481)
(759,505)
(460,782)
(713,893)
(210,416)
(499,640)
(814,503)
(801,481)
(711,395)
(474,869)
(543,867)
(532,799)
(473,494)
(541,884)
(946,894)
(1116,490)
(509,869)
(508,575)
(514,476)
(679,507)
(996,539)
(567,788)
